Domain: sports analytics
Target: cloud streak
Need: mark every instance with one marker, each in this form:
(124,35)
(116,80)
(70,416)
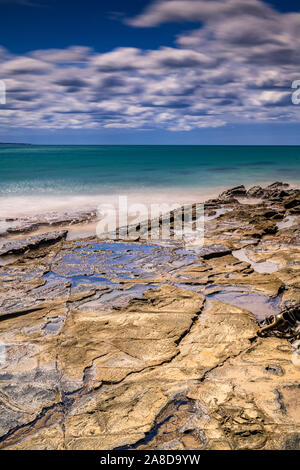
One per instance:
(199,10)
(237,66)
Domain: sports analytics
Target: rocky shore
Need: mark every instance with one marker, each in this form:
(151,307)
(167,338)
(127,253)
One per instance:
(146,345)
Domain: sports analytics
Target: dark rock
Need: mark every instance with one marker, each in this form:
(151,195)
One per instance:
(295,210)
(270,228)
(278,216)
(272,214)
(228,200)
(292,202)
(211,213)
(293,442)
(51,219)
(237,191)
(275,191)
(274,369)
(277,185)
(214,251)
(276,194)
(212,203)
(215,203)
(255,191)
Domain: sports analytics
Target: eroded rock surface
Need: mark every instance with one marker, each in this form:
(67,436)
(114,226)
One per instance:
(143,345)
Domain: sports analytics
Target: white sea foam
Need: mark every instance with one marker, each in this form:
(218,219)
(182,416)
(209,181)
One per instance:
(19,206)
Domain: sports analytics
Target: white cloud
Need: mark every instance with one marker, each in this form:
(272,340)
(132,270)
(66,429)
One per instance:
(24,66)
(73,54)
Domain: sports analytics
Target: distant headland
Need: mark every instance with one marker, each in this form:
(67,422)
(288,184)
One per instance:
(15,143)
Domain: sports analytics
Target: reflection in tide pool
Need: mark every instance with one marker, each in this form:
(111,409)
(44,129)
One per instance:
(107,264)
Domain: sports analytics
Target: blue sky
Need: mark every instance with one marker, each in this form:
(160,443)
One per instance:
(166,71)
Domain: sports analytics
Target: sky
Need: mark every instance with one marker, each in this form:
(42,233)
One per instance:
(150,72)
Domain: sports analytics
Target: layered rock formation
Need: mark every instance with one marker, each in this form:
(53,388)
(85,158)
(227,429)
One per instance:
(143,345)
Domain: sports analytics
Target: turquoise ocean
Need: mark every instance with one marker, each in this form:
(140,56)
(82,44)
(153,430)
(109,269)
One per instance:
(90,170)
